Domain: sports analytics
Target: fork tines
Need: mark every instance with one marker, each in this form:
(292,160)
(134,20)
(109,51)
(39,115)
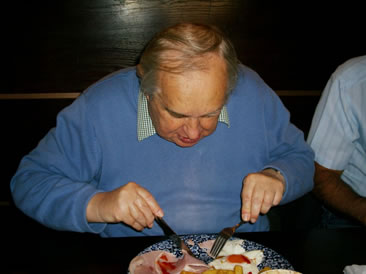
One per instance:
(220,242)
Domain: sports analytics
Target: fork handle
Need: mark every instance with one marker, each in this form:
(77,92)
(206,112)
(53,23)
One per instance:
(240,223)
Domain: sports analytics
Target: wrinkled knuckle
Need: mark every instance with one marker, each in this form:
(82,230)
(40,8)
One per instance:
(267,204)
(131,184)
(256,200)
(268,199)
(246,198)
(149,196)
(249,177)
(137,226)
(128,220)
(141,220)
(137,203)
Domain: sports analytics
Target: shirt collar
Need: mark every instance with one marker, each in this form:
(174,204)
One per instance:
(145,126)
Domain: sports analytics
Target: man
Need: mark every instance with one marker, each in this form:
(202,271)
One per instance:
(338,137)
(190,134)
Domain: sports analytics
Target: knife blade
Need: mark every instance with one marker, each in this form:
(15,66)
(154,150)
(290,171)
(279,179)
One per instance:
(173,236)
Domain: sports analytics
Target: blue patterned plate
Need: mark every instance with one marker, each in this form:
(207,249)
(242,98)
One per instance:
(271,258)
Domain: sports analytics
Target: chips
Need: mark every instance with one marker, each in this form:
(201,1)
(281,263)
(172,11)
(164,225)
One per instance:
(266,268)
(237,270)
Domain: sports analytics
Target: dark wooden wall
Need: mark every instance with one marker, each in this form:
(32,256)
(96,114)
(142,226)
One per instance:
(66,45)
(52,50)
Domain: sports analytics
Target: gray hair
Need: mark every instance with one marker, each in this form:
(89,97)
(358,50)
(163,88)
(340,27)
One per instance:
(180,48)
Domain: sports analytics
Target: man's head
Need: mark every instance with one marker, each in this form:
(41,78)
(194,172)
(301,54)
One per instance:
(187,73)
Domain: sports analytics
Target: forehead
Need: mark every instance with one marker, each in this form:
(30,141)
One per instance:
(195,92)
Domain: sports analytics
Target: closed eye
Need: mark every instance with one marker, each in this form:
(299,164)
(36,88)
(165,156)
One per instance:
(213,114)
(179,115)
(176,115)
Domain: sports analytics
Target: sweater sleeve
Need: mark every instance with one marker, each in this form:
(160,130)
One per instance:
(55,181)
(288,151)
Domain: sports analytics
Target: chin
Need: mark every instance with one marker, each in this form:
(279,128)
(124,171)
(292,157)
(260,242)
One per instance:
(181,144)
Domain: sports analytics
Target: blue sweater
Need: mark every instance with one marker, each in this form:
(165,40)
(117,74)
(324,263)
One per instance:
(94,148)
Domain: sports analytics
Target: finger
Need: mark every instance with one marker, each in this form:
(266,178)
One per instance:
(151,202)
(246,197)
(267,202)
(257,201)
(277,198)
(130,219)
(137,226)
(137,215)
(145,211)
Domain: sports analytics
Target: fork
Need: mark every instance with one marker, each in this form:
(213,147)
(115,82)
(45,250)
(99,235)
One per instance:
(221,240)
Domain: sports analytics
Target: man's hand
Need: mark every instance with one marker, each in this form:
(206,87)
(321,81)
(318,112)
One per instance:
(130,204)
(260,192)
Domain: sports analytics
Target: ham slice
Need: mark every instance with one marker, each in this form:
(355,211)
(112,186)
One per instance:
(162,262)
(207,245)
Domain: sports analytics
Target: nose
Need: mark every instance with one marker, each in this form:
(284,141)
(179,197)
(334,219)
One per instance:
(193,128)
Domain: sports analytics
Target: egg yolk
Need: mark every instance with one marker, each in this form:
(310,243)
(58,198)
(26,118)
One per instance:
(237,258)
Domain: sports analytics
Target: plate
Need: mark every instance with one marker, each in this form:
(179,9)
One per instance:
(271,258)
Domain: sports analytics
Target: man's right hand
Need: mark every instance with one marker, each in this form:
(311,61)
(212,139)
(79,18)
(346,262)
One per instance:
(130,204)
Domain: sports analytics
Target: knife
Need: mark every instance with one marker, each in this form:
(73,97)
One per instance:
(173,236)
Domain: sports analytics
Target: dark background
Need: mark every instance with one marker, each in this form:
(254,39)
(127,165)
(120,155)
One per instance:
(66,45)
(61,47)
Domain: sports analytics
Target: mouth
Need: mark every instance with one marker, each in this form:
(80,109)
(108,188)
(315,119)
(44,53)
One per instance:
(188,141)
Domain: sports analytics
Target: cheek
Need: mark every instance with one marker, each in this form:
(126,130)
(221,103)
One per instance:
(164,123)
(169,124)
(209,124)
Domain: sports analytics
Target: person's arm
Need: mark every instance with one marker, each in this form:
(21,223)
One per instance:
(58,182)
(55,181)
(335,193)
(289,167)
(288,153)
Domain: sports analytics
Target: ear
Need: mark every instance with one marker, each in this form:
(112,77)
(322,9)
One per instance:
(139,70)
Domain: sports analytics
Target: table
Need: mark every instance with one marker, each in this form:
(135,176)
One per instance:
(313,251)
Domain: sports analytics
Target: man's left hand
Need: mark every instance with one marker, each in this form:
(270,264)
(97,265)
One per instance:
(260,192)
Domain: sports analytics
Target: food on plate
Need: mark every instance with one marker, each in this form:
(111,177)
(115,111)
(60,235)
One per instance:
(234,246)
(234,254)
(233,259)
(264,269)
(237,270)
(166,263)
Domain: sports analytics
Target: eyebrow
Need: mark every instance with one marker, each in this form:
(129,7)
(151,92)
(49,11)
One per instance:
(184,115)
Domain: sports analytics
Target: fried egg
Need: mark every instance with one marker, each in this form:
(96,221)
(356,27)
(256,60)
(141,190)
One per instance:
(234,246)
(234,254)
